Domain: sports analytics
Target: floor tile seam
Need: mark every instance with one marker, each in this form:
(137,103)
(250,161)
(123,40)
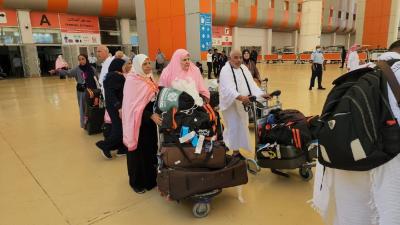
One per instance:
(95,221)
(34,178)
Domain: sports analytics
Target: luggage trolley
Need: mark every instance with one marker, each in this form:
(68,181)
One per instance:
(286,157)
(202,201)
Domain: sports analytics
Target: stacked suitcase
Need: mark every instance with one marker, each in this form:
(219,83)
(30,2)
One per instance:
(182,176)
(200,170)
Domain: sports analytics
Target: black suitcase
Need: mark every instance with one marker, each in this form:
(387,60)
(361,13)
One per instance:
(178,184)
(95,120)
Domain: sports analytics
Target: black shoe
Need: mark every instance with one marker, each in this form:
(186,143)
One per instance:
(310,88)
(121,152)
(106,153)
(139,190)
(321,88)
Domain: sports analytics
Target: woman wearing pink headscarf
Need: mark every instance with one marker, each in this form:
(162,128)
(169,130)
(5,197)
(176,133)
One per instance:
(181,68)
(61,67)
(139,125)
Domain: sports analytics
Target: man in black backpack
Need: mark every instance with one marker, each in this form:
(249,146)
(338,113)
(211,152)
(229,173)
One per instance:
(365,197)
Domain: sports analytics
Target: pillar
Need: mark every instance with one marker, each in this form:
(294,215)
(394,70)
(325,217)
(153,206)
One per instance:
(360,20)
(333,39)
(125,36)
(170,25)
(70,54)
(295,41)
(310,30)
(235,38)
(348,41)
(29,52)
(379,22)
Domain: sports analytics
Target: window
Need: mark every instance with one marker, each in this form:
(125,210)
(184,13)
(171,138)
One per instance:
(340,14)
(286,6)
(299,7)
(271,4)
(347,16)
(46,36)
(109,31)
(9,35)
(354,17)
(331,13)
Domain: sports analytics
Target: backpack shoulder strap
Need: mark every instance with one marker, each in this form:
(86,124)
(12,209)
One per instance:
(234,78)
(392,80)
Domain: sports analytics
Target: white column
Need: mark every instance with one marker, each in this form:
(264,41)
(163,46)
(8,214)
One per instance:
(24,21)
(29,52)
(333,39)
(348,41)
(310,31)
(235,38)
(269,41)
(295,41)
(125,36)
(360,15)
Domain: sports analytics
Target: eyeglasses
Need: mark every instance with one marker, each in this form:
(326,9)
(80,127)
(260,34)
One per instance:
(186,60)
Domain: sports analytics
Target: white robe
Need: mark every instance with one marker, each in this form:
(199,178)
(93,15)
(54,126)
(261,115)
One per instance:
(354,61)
(361,197)
(236,120)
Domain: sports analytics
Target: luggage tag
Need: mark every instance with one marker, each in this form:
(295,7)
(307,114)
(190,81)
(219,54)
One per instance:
(199,146)
(184,131)
(278,151)
(195,141)
(185,135)
(208,146)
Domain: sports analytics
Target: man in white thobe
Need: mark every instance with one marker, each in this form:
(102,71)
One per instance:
(106,59)
(362,197)
(232,97)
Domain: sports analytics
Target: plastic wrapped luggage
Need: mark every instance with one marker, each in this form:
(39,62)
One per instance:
(178,184)
(184,156)
(95,120)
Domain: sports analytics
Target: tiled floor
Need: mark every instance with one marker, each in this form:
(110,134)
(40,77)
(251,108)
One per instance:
(52,174)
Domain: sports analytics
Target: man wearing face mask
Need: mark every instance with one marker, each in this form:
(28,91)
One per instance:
(317,60)
(236,85)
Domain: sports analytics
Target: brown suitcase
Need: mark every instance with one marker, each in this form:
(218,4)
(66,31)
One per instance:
(178,184)
(184,156)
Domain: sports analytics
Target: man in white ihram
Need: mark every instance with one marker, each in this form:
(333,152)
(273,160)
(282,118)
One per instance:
(362,197)
(236,84)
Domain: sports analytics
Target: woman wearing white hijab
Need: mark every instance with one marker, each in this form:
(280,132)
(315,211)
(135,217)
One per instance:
(140,125)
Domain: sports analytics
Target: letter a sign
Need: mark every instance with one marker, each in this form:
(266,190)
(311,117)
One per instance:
(44,20)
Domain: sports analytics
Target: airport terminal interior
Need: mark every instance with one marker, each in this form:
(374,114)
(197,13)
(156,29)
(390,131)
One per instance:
(52,172)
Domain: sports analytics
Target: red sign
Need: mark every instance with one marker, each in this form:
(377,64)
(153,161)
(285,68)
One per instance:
(218,32)
(8,18)
(222,36)
(45,20)
(79,24)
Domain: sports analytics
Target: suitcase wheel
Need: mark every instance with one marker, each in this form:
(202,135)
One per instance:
(306,173)
(201,209)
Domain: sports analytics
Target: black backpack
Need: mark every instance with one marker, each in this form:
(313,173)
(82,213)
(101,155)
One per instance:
(357,130)
(290,128)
